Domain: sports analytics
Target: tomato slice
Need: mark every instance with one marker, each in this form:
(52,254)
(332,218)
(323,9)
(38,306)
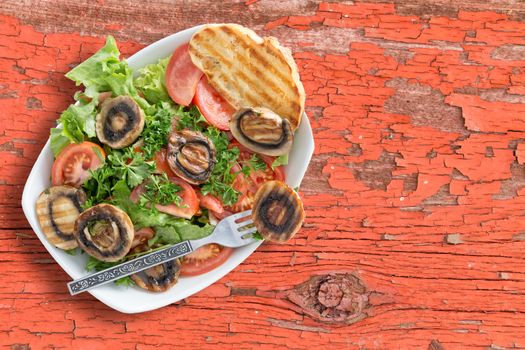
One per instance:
(204,259)
(161,162)
(72,165)
(248,185)
(188,207)
(182,76)
(213,107)
(211,203)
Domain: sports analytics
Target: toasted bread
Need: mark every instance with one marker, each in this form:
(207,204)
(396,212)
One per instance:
(249,71)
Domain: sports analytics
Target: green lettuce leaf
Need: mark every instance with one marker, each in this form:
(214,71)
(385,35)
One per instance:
(151,81)
(281,160)
(104,71)
(78,121)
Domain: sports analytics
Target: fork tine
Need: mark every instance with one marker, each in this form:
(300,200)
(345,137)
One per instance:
(240,215)
(245,225)
(249,231)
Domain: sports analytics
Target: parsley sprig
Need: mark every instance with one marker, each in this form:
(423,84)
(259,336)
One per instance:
(157,129)
(160,190)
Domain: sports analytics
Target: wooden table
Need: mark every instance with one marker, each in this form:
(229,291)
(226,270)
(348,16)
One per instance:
(414,197)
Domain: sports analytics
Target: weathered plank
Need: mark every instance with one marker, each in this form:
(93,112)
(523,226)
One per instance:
(414,198)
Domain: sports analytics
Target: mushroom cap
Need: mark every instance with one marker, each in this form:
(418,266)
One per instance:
(262,131)
(191,156)
(119,122)
(158,278)
(277,211)
(104,232)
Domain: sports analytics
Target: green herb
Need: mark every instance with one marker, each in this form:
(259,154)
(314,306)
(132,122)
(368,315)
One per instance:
(257,163)
(157,129)
(258,236)
(130,166)
(281,160)
(221,179)
(219,138)
(97,265)
(98,186)
(296,189)
(158,189)
(72,251)
(125,281)
(190,118)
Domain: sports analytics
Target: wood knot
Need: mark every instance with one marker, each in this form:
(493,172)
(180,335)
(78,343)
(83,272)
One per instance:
(334,298)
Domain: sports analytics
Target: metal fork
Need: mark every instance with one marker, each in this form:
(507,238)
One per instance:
(227,233)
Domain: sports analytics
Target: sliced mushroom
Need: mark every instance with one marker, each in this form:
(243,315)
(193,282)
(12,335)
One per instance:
(57,209)
(104,232)
(262,131)
(191,156)
(119,122)
(277,211)
(158,278)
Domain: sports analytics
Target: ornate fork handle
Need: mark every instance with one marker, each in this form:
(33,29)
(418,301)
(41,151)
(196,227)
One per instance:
(130,267)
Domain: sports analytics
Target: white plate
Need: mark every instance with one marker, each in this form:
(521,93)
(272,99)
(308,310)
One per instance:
(134,299)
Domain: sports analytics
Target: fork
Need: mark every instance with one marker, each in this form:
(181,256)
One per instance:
(228,233)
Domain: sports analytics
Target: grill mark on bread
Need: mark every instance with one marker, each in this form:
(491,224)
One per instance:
(257,72)
(275,57)
(221,82)
(248,95)
(262,60)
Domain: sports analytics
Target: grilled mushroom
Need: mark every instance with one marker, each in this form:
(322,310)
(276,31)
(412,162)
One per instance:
(191,156)
(104,232)
(57,209)
(262,131)
(158,278)
(277,211)
(119,122)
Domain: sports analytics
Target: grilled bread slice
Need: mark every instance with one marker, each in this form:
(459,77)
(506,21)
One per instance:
(249,71)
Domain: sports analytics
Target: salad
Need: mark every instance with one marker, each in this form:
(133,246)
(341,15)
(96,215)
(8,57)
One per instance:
(147,159)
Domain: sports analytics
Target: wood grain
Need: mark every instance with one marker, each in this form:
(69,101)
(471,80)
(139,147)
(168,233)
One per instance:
(414,235)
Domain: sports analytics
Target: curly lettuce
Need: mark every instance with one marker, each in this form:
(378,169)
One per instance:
(151,81)
(102,72)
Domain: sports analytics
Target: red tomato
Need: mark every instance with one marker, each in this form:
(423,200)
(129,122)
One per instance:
(204,259)
(182,76)
(213,107)
(248,186)
(161,162)
(211,203)
(188,207)
(72,165)
(141,236)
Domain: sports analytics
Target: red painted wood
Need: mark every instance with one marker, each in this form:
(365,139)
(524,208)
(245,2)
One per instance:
(415,192)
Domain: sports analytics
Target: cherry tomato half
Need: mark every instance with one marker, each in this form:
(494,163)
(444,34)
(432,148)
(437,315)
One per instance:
(213,107)
(72,165)
(204,259)
(182,76)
